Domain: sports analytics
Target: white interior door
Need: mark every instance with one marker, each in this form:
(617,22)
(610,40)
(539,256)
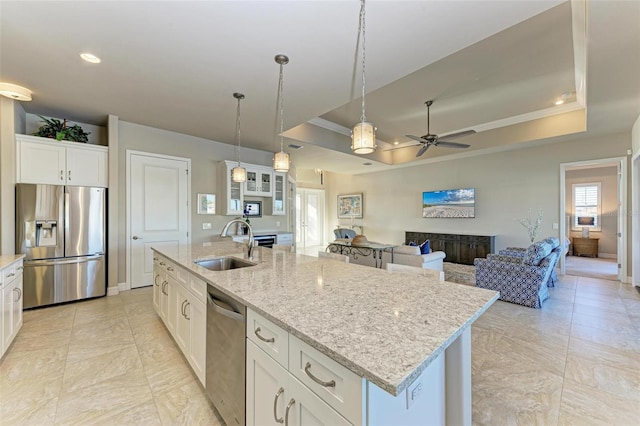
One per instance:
(158,210)
(309,217)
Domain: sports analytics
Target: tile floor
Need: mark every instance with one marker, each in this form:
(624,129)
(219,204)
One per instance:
(110,361)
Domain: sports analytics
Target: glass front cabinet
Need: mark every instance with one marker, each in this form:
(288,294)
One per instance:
(232,192)
(259,182)
(279,193)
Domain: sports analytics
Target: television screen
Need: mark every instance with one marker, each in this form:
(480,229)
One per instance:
(253,208)
(449,203)
(586,220)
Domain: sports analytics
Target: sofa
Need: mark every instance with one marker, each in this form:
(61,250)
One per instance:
(523,280)
(405,255)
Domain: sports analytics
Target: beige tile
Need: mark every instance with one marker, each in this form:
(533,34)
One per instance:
(51,317)
(27,411)
(105,332)
(598,308)
(515,356)
(622,382)
(164,366)
(105,400)
(35,338)
(33,375)
(186,405)
(584,405)
(613,337)
(604,320)
(515,398)
(555,335)
(566,294)
(603,354)
(114,361)
(544,322)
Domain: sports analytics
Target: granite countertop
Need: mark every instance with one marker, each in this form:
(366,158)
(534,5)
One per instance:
(7,259)
(384,327)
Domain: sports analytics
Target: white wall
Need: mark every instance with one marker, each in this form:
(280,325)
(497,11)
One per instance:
(608,179)
(507,185)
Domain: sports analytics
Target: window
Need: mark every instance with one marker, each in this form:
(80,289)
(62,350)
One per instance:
(586,206)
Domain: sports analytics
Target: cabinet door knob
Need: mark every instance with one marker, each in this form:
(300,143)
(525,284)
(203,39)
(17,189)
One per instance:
(69,177)
(135,237)
(61,174)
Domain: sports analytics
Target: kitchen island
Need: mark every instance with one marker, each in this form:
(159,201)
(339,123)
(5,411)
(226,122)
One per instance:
(393,331)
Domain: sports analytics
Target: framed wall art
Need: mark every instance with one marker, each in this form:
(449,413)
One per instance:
(206,203)
(350,206)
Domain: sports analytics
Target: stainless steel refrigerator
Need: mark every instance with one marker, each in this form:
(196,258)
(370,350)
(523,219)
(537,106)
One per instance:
(61,230)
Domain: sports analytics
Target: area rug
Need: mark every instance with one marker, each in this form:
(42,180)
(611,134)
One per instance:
(461,274)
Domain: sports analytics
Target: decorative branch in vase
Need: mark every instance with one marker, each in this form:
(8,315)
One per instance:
(532,225)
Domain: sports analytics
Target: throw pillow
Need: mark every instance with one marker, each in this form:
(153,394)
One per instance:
(424,247)
(412,243)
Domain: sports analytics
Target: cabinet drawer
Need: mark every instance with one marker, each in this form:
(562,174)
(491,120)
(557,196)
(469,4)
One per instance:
(198,288)
(269,337)
(10,272)
(333,383)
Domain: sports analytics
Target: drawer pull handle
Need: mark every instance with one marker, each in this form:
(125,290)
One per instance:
(275,406)
(162,263)
(11,275)
(331,384)
(257,333)
(169,268)
(19,268)
(286,413)
(155,280)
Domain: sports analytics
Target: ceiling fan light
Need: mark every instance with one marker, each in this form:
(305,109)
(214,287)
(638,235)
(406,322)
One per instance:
(15,92)
(239,174)
(363,138)
(281,162)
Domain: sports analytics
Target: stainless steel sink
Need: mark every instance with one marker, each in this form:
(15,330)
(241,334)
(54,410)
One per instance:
(224,263)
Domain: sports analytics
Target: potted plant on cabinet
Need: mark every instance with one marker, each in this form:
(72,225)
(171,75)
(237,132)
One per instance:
(58,130)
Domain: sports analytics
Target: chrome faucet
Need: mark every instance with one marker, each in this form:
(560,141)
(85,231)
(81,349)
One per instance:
(251,244)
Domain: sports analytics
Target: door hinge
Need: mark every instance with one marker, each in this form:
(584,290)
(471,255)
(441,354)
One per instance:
(187,234)
(619,265)
(186,171)
(619,234)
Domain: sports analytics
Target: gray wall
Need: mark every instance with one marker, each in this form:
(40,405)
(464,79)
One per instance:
(507,185)
(204,155)
(608,179)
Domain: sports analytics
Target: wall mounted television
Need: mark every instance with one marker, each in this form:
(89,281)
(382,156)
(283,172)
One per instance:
(253,208)
(449,203)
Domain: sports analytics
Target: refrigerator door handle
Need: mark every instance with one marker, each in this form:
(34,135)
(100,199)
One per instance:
(62,261)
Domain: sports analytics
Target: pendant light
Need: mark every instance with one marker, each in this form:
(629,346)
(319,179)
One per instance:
(238,173)
(363,135)
(281,159)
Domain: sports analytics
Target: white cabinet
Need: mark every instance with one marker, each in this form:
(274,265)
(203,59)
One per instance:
(319,390)
(41,160)
(181,305)
(274,396)
(11,303)
(279,194)
(259,181)
(232,197)
(285,239)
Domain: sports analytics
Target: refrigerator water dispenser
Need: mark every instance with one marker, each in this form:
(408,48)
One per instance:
(46,233)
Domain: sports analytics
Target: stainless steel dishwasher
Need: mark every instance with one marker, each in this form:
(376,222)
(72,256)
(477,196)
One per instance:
(225,369)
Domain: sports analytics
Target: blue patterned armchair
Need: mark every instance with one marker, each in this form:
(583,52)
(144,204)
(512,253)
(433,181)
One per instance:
(522,280)
(518,253)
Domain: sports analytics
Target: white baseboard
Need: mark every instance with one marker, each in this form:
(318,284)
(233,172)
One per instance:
(113,291)
(123,287)
(608,255)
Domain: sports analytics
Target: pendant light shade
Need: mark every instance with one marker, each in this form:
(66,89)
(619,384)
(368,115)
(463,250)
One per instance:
(363,135)
(281,159)
(238,173)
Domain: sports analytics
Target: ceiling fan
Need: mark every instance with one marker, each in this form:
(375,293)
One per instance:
(429,140)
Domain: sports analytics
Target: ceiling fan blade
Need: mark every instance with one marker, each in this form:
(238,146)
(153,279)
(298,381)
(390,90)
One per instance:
(452,144)
(403,146)
(422,150)
(416,138)
(459,134)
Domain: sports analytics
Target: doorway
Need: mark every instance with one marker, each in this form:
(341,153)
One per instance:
(309,220)
(593,206)
(158,211)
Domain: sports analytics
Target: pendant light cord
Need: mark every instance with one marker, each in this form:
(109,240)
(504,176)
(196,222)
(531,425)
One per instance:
(238,133)
(281,96)
(363,117)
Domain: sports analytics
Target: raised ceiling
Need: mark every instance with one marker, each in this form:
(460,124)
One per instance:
(175,65)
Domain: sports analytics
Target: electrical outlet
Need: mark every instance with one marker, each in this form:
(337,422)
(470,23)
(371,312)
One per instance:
(278,223)
(555,226)
(206,225)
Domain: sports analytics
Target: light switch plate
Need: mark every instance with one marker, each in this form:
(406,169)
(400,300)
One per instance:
(206,225)
(555,226)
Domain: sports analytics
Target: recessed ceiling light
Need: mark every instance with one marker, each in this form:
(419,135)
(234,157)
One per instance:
(559,102)
(396,143)
(15,92)
(90,57)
